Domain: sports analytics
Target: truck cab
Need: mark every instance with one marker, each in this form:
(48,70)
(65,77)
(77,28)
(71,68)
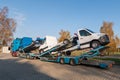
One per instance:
(88,38)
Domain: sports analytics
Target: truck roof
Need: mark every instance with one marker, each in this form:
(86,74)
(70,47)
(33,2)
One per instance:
(86,29)
(82,29)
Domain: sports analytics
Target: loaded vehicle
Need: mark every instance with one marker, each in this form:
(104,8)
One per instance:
(89,39)
(49,42)
(25,44)
(85,38)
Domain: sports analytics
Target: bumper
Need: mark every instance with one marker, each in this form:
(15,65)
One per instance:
(104,43)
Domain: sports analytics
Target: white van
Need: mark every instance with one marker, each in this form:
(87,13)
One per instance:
(49,42)
(88,38)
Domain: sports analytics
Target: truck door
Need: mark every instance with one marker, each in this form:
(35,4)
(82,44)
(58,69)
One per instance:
(84,38)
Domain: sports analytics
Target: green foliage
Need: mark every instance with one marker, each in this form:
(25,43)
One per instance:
(116,60)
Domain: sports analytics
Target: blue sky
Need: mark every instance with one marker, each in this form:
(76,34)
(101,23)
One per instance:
(47,17)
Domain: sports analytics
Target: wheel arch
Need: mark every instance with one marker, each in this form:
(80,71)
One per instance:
(73,62)
(93,41)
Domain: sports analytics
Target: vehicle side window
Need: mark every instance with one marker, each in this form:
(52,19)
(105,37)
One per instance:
(84,33)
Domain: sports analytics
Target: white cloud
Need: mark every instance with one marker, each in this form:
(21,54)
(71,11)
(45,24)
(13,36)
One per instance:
(18,16)
(14,13)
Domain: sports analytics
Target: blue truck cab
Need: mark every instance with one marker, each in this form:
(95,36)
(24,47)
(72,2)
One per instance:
(15,44)
(20,43)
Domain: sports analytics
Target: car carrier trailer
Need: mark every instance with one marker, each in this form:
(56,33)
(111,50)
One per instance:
(97,41)
(85,58)
(60,48)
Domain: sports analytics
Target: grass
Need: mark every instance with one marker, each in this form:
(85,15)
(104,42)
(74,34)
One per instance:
(116,60)
(79,52)
(112,53)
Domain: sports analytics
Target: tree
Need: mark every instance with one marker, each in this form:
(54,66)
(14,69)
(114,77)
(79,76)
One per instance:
(107,28)
(63,35)
(7,27)
(117,40)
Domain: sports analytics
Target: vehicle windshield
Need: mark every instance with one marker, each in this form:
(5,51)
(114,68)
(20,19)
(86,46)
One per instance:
(90,31)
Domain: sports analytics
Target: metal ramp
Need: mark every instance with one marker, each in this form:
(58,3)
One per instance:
(94,52)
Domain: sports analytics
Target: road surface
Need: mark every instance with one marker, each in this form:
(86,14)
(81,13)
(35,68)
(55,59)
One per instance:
(13,68)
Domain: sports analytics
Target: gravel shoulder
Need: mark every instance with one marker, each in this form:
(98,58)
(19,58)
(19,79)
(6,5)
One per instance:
(13,68)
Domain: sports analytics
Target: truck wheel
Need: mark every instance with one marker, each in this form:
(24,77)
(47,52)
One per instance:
(12,54)
(66,41)
(68,53)
(95,44)
(62,61)
(27,56)
(85,58)
(72,62)
(41,51)
(18,54)
(34,57)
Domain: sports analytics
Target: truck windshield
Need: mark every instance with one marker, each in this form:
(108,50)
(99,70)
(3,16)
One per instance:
(90,31)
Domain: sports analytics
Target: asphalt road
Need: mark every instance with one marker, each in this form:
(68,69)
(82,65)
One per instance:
(13,68)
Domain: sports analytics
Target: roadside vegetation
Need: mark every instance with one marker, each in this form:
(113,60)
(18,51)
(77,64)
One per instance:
(116,60)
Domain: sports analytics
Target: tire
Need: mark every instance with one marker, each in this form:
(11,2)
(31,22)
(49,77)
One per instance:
(18,54)
(34,57)
(12,54)
(68,53)
(72,62)
(85,58)
(80,60)
(41,51)
(27,56)
(95,44)
(66,41)
(62,61)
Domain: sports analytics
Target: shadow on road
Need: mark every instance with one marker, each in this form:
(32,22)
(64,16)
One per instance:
(22,69)
(13,69)
(92,71)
